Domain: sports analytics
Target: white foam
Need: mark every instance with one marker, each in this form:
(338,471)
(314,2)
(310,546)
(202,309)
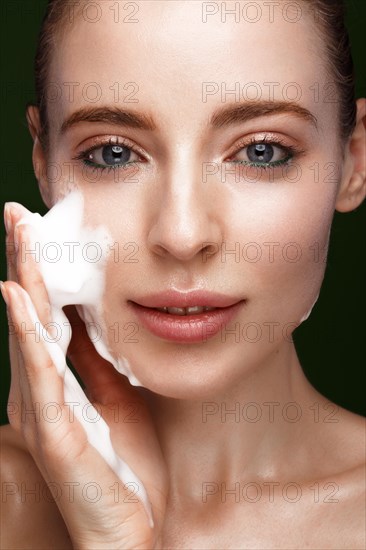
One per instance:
(72,260)
(307,314)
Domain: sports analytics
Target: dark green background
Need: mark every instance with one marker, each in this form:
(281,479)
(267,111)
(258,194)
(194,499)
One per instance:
(331,344)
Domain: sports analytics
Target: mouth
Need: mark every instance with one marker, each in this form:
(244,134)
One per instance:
(184,311)
(191,324)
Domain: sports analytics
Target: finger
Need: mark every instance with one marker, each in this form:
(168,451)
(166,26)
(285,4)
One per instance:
(10,246)
(38,378)
(28,272)
(13,212)
(15,400)
(15,403)
(42,388)
(22,410)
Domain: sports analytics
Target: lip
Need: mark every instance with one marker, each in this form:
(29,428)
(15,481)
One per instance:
(188,328)
(175,298)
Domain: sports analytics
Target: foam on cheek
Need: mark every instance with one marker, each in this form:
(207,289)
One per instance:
(326,246)
(307,314)
(72,261)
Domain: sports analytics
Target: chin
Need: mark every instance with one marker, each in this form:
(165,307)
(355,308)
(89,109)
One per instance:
(192,374)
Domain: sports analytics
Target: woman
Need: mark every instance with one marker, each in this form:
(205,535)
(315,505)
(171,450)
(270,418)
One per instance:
(212,157)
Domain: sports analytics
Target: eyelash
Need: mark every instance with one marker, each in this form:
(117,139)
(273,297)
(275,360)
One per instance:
(83,156)
(290,151)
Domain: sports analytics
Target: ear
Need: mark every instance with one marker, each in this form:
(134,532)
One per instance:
(38,155)
(352,190)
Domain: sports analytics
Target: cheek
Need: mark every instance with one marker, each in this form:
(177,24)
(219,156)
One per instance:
(284,241)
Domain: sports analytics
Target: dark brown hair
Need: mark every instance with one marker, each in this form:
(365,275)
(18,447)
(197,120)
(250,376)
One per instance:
(329,24)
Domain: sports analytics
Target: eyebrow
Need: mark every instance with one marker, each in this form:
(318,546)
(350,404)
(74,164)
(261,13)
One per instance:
(254,109)
(225,116)
(108,115)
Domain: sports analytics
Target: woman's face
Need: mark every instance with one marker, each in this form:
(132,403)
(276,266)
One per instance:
(181,65)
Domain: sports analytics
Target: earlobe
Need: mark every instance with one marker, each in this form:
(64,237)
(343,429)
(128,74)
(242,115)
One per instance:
(38,154)
(352,190)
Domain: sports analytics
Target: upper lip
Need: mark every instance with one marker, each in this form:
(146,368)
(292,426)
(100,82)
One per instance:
(174,298)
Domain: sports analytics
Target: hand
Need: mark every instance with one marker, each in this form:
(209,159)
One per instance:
(111,516)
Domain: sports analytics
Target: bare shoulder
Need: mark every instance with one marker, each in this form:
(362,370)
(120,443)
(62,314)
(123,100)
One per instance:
(345,484)
(351,440)
(344,445)
(30,518)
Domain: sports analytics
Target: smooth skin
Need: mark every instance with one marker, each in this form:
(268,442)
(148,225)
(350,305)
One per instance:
(186,460)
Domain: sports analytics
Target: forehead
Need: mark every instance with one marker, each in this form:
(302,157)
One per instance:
(186,57)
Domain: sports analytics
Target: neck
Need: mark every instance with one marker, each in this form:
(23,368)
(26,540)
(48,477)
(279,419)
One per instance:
(244,433)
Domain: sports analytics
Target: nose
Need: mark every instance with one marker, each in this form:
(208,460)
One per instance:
(187,222)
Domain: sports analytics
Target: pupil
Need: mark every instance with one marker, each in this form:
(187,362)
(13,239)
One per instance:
(115,154)
(260,151)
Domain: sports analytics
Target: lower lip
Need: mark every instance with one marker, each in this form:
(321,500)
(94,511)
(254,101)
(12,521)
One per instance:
(188,328)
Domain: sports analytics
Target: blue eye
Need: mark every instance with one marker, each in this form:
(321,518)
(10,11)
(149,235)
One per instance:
(109,156)
(261,154)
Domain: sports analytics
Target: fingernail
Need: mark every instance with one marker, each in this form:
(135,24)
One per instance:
(4,292)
